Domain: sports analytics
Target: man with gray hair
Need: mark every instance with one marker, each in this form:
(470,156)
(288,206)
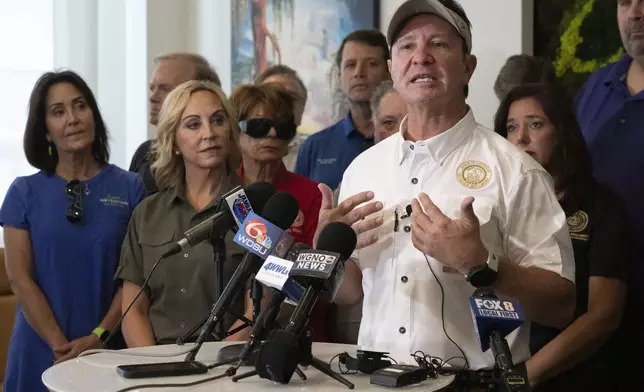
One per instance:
(387,110)
(472,225)
(172,69)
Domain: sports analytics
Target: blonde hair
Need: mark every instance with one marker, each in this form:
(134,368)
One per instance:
(203,69)
(168,167)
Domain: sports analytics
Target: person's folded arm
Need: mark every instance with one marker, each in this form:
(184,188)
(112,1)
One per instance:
(20,271)
(350,291)
(544,296)
(540,269)
(137,329)
(114,312)
(585,336)
(609,254)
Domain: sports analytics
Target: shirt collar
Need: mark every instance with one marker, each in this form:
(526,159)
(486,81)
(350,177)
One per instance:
(281,176)
(618,72)
(346,124)
(438,147)
(179,191)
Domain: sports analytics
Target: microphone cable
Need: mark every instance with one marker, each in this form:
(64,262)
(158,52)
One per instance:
(440,285)
(120,320)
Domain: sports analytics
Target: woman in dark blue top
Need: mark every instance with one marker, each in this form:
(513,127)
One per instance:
(63,230)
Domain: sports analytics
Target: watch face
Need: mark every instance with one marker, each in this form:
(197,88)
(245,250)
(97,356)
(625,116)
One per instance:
(483,277)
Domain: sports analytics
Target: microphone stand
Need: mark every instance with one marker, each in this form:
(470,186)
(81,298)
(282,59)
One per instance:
(262,324)
(242,353)
(299,322)
(510,379)
(219,258)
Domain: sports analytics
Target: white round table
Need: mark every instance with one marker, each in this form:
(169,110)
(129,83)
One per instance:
(97,373)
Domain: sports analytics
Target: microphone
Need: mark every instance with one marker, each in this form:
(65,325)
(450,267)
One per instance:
(274,274)
(261,237)
(240,202)
(494,319)
(322,269)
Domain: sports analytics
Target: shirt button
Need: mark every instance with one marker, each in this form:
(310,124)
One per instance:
(183,325)
(623,120)
(414,181)
(402,330)
(404,279)
(407,229)
(411,147)
(185,255)
(183,290)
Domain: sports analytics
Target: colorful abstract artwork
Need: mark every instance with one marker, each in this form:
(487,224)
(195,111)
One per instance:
(303,34)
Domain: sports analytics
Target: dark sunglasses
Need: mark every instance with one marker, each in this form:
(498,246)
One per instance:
(74,191)
(258,128)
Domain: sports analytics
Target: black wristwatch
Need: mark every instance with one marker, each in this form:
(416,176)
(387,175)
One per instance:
(484,275)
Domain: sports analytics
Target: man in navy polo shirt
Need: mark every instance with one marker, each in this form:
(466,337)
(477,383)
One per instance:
(362,63)
(610,110)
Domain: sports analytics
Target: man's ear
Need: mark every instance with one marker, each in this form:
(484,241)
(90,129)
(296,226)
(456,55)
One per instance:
(470,66)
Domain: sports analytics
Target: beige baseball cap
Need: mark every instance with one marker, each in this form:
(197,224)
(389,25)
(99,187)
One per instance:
(411,8)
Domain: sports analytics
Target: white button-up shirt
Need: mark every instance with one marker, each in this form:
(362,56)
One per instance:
(520,219)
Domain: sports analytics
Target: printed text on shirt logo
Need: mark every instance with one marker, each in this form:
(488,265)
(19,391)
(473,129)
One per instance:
(114,201)
(326,161)
(473,174)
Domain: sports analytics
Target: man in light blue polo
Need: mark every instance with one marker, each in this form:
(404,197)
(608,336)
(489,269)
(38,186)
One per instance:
(362,63)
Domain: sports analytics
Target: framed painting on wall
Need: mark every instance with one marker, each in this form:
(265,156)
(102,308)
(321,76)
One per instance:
(302,34)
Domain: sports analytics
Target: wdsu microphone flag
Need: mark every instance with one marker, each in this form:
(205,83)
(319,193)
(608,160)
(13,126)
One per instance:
(261,237)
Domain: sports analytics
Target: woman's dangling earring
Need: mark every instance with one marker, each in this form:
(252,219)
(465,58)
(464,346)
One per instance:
(50,150)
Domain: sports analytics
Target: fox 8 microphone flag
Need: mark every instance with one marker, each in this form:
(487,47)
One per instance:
(261,237)
(495,314)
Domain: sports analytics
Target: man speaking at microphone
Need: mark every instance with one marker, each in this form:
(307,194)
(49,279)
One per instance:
(484,213)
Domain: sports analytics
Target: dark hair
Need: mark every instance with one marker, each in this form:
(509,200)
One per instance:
(523,69)
(571,165)
(275,99)
(36,145)
(368,37)
(282,70)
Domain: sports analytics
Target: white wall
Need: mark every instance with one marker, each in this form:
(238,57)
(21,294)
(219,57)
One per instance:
(112,44)
(500,28)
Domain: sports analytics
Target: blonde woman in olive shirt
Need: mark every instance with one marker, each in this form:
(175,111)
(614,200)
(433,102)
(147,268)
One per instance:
(196,154)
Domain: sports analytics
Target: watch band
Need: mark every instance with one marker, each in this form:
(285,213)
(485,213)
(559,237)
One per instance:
(98,331)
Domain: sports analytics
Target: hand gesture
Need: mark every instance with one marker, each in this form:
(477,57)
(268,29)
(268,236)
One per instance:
(455,243)
(74,348)
(359,219)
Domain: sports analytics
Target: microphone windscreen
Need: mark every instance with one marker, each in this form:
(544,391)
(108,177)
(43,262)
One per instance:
(339,238)
(281,210)
(295,250)
(258,194)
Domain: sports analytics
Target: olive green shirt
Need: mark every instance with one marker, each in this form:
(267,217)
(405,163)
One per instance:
(182,288)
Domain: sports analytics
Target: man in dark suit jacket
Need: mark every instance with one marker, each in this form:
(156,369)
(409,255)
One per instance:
(171,70)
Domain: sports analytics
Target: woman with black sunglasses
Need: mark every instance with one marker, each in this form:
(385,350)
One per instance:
(586,355)
(267,125)
(63,230)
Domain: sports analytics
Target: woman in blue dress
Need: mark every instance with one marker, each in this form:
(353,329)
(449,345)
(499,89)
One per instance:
(63,230)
